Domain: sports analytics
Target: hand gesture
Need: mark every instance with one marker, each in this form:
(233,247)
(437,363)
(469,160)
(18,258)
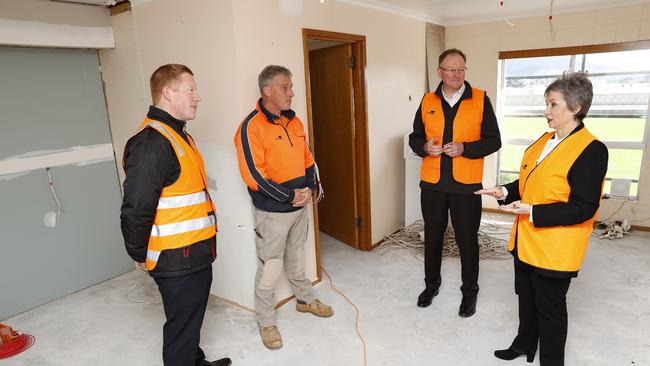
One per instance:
(496,192)
(432,147)
(453,149)
(517,207)
(302,197)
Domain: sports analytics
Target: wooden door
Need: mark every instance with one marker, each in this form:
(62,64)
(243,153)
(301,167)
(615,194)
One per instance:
(332,104)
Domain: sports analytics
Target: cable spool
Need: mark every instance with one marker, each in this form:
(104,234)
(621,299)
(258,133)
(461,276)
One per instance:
(13,343)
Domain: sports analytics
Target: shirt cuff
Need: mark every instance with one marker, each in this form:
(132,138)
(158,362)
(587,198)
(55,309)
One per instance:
(505,193)
(530,217)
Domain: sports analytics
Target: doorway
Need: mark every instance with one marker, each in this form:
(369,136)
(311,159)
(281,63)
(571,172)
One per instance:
(338,133)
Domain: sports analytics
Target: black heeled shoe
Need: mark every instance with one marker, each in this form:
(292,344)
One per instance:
(510,354)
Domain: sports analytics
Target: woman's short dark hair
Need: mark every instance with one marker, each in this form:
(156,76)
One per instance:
(577,91)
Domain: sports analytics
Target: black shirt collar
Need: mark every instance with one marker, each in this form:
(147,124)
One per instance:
(289,113)
(158,114)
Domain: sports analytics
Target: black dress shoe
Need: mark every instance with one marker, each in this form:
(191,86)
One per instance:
(467,306)
(510,354)
(221,362)
(427,296)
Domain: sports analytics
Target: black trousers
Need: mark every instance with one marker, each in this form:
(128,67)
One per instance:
(542,315)
(465,210)
(184,299)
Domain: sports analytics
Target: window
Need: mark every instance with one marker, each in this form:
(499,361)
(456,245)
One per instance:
(618,115)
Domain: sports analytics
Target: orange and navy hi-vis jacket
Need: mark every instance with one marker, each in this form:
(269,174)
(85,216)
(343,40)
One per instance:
(185,214)
(556,248)
(274,158)
(466,128)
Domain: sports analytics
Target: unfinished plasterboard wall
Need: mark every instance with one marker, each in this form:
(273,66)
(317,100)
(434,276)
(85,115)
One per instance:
(55,116)
(50,24)
(48,123)
(483,41)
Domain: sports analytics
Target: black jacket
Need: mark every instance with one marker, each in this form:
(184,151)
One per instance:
(490,142)
(585,177)
(151,164)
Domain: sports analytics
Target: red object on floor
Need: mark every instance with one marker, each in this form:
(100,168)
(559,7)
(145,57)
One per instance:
(14,343)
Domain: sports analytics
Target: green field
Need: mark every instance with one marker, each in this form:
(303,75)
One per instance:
(622,163)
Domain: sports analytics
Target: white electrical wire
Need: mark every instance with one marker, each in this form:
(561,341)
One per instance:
(128,299)
(321,192)
(503,14)
(550,21)
(409,238)
(56,198)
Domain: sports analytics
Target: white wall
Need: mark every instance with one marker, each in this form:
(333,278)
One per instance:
(270,32)
(200,35)
(48,24)
(226,44)
(482,43)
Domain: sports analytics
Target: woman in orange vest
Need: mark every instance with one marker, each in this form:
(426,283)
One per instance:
(556,200)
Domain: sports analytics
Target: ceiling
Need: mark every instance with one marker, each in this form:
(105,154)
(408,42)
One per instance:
(451,12)
(89,2)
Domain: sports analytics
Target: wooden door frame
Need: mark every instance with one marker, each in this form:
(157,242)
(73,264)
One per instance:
(361,164)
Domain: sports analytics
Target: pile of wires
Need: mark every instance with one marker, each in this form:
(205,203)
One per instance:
(411,238)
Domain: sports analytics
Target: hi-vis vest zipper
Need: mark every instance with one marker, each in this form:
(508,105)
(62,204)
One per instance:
(185,214)
(466,128)
(557,248)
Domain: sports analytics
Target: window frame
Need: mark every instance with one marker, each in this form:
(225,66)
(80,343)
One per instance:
(573,52)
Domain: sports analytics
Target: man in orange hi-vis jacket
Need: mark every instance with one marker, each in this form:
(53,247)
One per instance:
(453,131)
(168,218)
(279,170)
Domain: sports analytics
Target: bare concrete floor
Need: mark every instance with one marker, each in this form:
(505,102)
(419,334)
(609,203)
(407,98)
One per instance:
(609,316)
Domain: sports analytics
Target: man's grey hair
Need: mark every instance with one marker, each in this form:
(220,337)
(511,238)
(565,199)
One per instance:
(577,91)
(269,72)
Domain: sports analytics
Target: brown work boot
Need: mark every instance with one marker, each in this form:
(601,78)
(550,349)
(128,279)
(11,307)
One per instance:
(316,307)
(271,337)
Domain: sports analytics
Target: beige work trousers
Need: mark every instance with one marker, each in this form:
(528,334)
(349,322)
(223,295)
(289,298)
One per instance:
(280,240)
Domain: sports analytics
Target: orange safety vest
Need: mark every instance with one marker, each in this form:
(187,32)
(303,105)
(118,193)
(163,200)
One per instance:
(185,214)
(558,248)
(466,128)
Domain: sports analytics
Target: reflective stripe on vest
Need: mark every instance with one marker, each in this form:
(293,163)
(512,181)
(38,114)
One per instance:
(182,201)
(185,214)
(163,130)
(466,128)
(152,256)
(183,226)
(557,248)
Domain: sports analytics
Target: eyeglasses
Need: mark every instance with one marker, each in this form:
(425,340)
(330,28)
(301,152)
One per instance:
(453,71)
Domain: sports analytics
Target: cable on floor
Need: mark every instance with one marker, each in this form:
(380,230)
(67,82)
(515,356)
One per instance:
(356,311)
(410,239)
(128,298)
